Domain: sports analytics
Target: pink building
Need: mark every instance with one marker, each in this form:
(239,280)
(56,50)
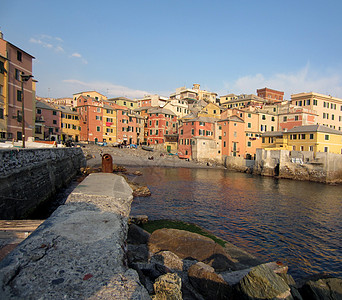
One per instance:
(160,122)
(17,63)
(198,127)
(48,121)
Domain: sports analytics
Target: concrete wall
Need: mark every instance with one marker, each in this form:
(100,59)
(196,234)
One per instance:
(29,177)
(238,163)
(79,252)
(299,165)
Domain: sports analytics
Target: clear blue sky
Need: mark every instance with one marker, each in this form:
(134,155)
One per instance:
(132,48)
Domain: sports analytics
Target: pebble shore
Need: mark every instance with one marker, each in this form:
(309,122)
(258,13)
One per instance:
(138,158)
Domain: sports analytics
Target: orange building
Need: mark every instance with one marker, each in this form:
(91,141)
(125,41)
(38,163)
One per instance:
(233,136)
(90,111)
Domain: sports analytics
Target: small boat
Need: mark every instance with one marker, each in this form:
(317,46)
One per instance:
(147,148)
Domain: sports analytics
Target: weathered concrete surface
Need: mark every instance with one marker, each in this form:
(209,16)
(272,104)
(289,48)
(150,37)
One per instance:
(79,252)
(29,177)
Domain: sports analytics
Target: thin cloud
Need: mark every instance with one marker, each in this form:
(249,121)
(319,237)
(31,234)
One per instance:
(76,55)
(106,88)
(303,80)
(47,42)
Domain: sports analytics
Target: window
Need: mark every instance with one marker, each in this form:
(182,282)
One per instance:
(302,136)
(284,119)
(98,129)
(263,117)
(235,134)
(249,144)
(324,115)
(311,136)
(2,67)
(19,95)
(308,102)
(332,117)
(249,115)
(272,128)
(249,125)
(17,74)
(273,119)
(19,55)
(310,148)
(1,113)
(224,143)
(99,109)
(315,102)
(54,122)
(192,131)
(54,113)
(326,149)
(326,137)
(296,118)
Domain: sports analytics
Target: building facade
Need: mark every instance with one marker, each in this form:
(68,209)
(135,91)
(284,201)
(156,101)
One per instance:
(16,93)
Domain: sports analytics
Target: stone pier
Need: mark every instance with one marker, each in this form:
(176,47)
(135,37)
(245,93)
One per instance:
(79,252)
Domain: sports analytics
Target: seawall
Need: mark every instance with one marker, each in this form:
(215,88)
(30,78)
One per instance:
(79,251)
(29,177)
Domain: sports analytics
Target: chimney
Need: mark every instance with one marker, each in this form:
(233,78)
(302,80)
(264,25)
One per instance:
(1,35)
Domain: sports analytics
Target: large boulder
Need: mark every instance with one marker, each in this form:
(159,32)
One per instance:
(188,245)
(168,287)
(321,287)
(261,282)
(210,284)
(168,259)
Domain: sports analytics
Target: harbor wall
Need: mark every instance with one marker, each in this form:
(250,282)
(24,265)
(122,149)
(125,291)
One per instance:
(299,165)
(28,177)
(79,252)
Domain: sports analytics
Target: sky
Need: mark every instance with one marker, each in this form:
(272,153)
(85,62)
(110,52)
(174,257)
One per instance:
(136,47)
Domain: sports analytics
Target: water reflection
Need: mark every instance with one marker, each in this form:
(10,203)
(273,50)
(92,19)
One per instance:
(296,222)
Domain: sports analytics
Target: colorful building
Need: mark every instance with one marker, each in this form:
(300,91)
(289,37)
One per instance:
(198,127)
(48,122)
(160,122)
(109,123)
(70,124)
(3,97)
(328,108)
(123,101)
(233,136)
(90,113)
(273,96)
(16,93)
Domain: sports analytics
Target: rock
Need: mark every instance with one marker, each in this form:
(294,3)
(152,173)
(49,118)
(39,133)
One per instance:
(136,235)
(168,287)
(210,284)
(141,191)
(191,245)
(121,169)
(321,287)
(137,253)
(138,219)
(261,283)
(168,259)
(137,173)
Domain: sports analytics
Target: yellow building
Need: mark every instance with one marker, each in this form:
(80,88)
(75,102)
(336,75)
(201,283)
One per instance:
(211,110)
(328,108)
(3,97)
(109,124)
(123,101)
(275,140)
(315,138)
(70,124)
(93,94)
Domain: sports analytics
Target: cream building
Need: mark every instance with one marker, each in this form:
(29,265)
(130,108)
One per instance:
(328,108)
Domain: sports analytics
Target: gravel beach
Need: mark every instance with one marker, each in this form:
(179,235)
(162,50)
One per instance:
(138,158)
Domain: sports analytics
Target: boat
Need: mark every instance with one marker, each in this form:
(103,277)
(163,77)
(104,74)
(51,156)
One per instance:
(147,148)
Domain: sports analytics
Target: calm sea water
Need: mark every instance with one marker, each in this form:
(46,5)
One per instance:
(298,223)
